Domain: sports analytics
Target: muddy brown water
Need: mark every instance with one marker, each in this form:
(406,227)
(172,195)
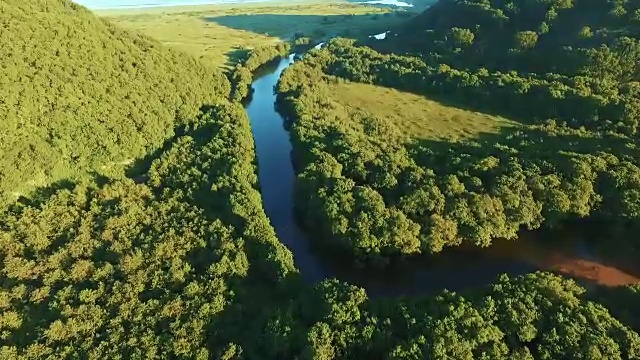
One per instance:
(568,253)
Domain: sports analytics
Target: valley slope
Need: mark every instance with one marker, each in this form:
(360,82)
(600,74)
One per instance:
(80,95)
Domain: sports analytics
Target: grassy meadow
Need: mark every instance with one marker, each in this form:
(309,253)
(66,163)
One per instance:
(220,34)
(415,116)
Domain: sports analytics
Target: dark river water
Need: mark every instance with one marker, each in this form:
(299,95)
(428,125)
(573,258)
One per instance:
(454,270)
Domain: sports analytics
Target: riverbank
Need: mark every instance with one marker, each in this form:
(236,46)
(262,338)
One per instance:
(573,251)
(569,251)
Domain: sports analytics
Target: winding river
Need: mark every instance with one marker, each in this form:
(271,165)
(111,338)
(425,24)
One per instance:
(454,270)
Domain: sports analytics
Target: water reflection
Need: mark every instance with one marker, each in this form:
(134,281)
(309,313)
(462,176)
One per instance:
(572,252)
(275,172)
(456,269)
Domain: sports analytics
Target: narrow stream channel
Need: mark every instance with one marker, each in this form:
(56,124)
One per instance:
(455,270)
(275,170)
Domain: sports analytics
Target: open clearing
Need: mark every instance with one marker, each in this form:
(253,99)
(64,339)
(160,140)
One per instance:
(415,116)
(220,34)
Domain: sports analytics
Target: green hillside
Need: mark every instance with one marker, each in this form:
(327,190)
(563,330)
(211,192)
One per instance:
(79,95)
(568,37)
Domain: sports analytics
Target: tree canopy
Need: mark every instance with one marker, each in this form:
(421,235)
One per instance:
(146,270)
(80,95)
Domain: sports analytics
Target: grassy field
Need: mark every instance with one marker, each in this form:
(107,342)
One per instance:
(414,116)
(218,34)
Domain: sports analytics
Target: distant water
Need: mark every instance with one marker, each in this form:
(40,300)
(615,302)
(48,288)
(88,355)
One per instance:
(380,36)
(124,4)
(387,2)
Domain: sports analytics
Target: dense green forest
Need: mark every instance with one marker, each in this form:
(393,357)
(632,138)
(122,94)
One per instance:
(79,95)
(178,259)
(144,270)
(573,154)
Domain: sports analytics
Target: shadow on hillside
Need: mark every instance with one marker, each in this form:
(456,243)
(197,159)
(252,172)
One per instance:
(535,143)
(526,143)
(42,194)
(236,56)
(286,26)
